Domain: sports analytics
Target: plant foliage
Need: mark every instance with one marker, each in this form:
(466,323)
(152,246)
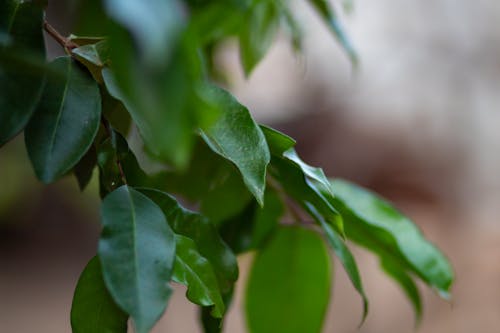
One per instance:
(150,65)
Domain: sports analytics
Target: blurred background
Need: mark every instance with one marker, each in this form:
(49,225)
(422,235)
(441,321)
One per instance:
(418,122)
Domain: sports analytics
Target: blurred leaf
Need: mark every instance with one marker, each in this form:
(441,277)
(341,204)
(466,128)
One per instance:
(196,272)
(236,137)
(203,233)
(65,122)
(115,113)
(267,218)
(137,251)
(345,256)
(85,40)
(406,283)
(237,231)
(85,167)
(373,223)
(289,285)
(20,90)
(328,14)
(93,310)
(262,23)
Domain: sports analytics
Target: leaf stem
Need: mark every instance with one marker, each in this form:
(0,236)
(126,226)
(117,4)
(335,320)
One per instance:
(67,44)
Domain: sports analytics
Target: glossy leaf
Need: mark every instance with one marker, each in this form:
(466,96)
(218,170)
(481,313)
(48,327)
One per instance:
(137,250)
(289,285)
(262,23)
(65,122)
(236,137)
(330,17)
(203,233)
(345,256)
(93,309)
(20,88)
(375,224)
(196,272)
(406,283)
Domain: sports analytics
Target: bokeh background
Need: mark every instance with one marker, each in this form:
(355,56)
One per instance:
(418,122)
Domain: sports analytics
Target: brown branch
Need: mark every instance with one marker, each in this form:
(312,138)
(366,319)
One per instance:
(67,44)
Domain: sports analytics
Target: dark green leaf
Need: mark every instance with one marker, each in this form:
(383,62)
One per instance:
(85,167)
(236,137)
(328,14)
(375,224)
(196,272)
(65,122)
(406,283)
(203,233)
(237,231)
(137,251)
(115,113)
(20,89)
(93,310)
(262,23)
(112,154)
(289,285)
(211,324)
(94,57)
(345,256)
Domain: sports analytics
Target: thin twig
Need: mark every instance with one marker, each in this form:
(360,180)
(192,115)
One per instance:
(67,44)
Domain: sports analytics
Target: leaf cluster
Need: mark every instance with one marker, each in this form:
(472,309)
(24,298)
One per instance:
(148,65)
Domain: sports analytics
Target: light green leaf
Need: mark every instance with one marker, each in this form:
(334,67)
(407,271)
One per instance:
(137,250)
(203,233)
(236,137)
(330,17)
(345,256)
(93,310)
(65,122)
(260,29)
(375,224)
(196,272)
(20,88)
(406,283)
(289,285)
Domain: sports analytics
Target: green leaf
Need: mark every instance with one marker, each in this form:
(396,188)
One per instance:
(211,324)
(112,154)
(373,223)
(262,23)
(345,256)
(85,167)
(406,283)
(330,17)
(115,113)
(306,192)
(21,26)
(93,309)
(94,57)
(277,141)
(203,233)
(154,25)
(267,218)
(289,285)
(137,251)
(236,137)
(196,272)
(65,122)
